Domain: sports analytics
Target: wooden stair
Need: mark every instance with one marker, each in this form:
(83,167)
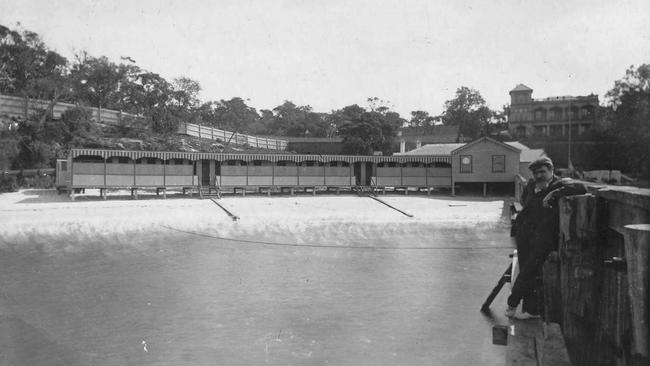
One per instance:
(209,191)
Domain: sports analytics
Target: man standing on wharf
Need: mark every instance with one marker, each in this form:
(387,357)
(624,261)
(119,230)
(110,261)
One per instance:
(536,233)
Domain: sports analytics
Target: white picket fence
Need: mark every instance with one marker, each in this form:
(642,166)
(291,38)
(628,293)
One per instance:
(235,138)
(15,107)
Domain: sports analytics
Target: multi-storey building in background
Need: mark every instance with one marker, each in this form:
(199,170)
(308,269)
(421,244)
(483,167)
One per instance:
(552,116)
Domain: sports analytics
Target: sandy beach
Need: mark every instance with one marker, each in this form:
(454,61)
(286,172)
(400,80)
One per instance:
(39,217)
(296,280)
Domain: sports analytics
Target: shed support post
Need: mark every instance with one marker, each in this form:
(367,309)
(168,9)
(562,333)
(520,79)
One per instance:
(484,189)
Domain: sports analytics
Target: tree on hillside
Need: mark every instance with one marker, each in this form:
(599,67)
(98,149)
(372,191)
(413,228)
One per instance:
(378,105)
(97,80)
(630,119)
(155,92)
(421,118)
(185,94)
(232,115)
(263,126)
(364,131)
(29,69)
(292,120)
(468,111)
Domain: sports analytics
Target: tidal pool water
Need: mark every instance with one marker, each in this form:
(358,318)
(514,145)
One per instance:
(166,297)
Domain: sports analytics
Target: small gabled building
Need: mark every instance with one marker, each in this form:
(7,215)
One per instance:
(485,160)
(527,156)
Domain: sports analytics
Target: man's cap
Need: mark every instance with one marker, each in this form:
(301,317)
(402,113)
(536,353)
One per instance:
(545,161)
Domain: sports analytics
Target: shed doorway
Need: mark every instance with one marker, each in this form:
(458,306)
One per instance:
(205,172)
(363,173)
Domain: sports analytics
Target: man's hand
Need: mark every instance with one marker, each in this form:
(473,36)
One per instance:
(547,202)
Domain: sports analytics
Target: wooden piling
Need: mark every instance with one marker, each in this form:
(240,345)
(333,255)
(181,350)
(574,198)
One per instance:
(552,292)
(637,255)
(579,261)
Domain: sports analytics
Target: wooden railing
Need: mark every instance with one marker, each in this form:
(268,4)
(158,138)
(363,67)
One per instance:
(15,107)
(234,138)
(597,284)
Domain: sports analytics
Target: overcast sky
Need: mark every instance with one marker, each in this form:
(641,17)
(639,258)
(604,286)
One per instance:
(329,54)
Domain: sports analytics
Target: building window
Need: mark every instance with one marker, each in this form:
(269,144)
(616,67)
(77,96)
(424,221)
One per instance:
(521,131)
(556,130)
(556,114)
(498,163)
(466,163)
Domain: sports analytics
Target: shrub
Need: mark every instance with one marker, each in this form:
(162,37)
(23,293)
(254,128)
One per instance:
(8,183)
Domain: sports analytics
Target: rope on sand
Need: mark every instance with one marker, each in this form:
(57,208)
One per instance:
(281,244)
(394,208)
(232,216)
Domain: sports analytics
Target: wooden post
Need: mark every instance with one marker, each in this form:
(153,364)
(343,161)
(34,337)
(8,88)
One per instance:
(484,189)
(637,255)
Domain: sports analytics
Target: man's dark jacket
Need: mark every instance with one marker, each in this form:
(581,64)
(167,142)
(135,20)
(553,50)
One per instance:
(539,225)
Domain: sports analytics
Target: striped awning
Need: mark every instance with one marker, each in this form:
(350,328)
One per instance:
(298,158)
